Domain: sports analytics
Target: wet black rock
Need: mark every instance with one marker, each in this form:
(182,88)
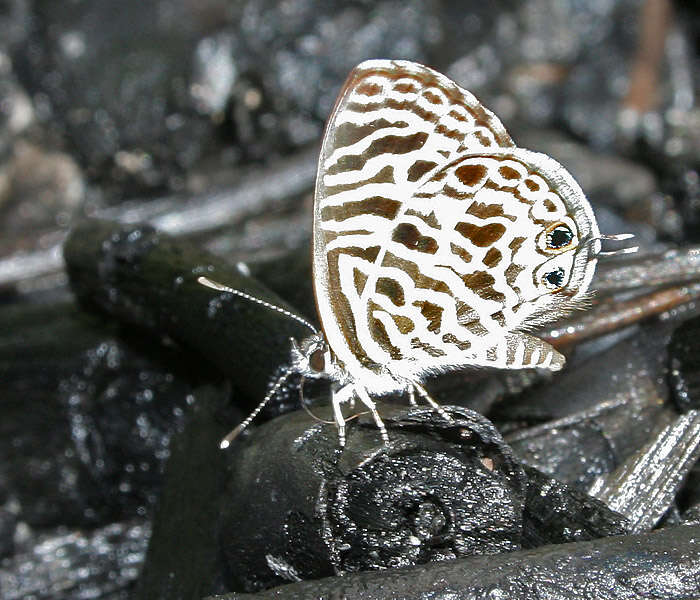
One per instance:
(684,365)
(113,81)
(556,513)
(322,509)
(89,411)
(591,417)
(663,564)
(645,487)
(150,280)
(692,515)
(79,563)
(195,475)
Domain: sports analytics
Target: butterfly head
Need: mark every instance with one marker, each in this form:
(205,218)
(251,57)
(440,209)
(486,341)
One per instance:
(313,358)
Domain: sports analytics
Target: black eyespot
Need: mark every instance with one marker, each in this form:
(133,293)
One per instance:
(554,279)
(317,361)
(559,237)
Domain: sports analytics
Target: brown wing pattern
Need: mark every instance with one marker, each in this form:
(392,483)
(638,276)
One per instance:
(418,262)
(462,268)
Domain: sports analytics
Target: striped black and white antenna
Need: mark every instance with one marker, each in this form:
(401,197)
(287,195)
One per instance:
(205,281)
(286,372)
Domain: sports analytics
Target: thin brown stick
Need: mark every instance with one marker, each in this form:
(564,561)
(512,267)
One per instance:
(655,23)
(611,316)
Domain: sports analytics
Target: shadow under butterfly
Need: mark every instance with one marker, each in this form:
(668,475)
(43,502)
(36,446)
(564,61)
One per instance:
(437,243)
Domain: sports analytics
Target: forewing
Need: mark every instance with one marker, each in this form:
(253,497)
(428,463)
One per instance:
(395,125)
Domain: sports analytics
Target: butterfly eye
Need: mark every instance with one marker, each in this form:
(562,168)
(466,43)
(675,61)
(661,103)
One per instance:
(317,361)
(554,279)
(559,237)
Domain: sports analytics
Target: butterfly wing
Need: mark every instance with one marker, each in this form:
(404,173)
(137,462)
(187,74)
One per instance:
(469,264)
(415,232)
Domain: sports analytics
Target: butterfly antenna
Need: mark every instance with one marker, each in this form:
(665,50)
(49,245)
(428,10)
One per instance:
(618,237)
(205,281)
(233,434)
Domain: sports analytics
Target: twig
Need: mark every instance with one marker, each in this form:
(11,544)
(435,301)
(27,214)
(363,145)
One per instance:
(261,190)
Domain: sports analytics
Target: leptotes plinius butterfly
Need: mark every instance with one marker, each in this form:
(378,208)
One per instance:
(437,242)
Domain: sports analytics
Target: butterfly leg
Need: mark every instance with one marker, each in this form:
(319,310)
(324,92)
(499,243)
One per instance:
(369,403)
(339,397)
(427,397)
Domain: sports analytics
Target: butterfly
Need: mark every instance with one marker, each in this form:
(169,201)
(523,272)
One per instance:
(438,244)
